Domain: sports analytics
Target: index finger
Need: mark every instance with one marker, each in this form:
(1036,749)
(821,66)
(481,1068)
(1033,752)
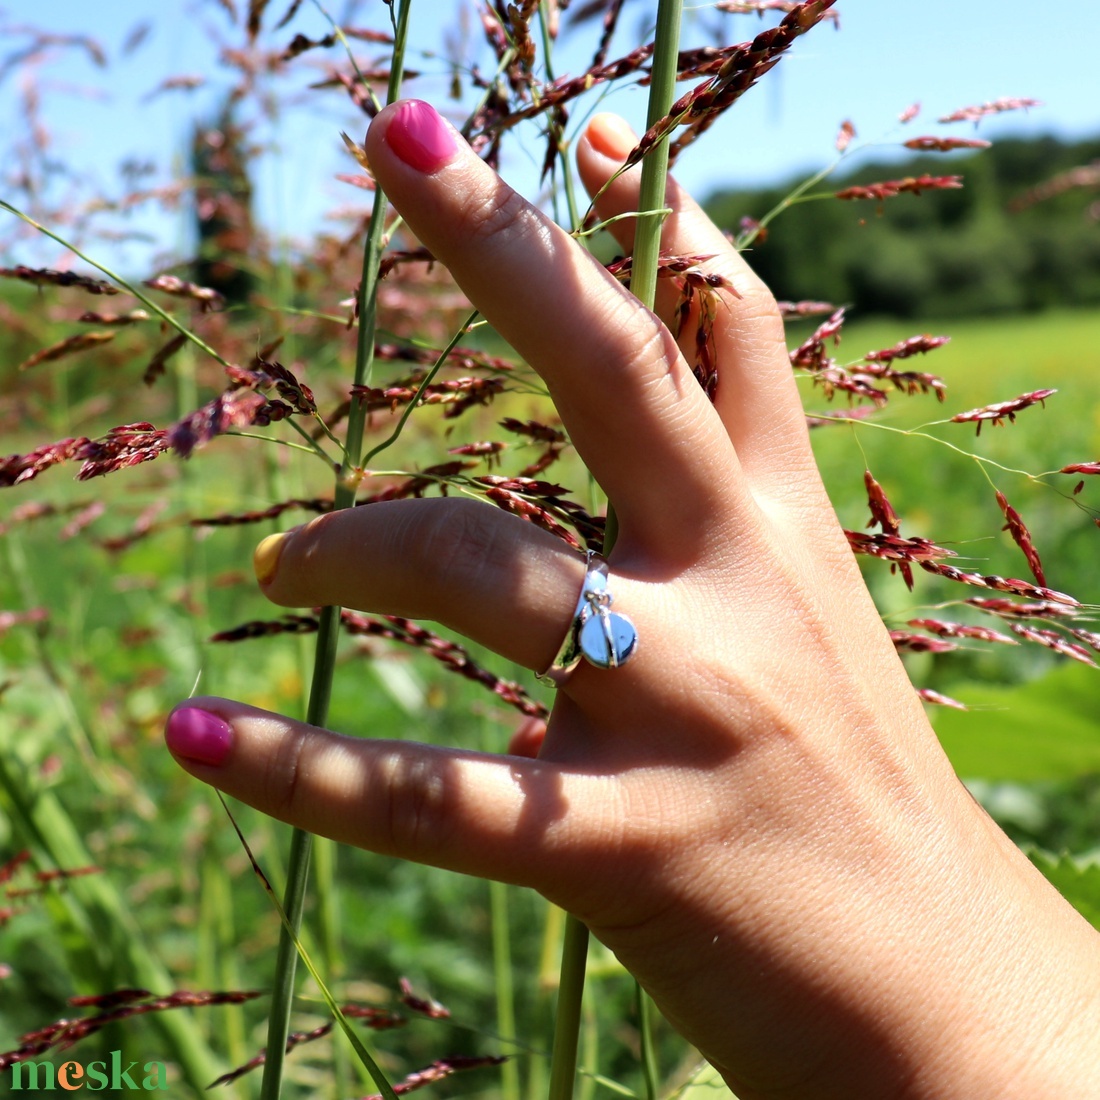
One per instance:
(628,399)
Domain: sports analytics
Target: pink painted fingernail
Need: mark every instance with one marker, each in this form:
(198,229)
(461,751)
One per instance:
(198,735)
(419,136)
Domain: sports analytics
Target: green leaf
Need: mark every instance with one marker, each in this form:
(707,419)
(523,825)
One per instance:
(1077,880)
(1046,729)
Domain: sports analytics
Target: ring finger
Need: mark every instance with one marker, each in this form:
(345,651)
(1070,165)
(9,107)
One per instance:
(497,580)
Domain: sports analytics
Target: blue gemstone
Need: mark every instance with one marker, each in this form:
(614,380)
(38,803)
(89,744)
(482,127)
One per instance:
(608,640)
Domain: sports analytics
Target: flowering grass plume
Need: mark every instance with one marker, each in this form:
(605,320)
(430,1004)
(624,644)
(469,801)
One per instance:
(979,111)
(277,363)
(933,144)
(44,276)
(374,1018)
(439,1070)
(944,629)
(452,656)
(81,341)
(888,189)
(938,699)
(884,517)
(1003,410)
(115,1007)
(1016,527)
(1055,641)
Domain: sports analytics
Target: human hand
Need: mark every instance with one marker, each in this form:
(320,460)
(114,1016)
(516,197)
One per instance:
(754,813)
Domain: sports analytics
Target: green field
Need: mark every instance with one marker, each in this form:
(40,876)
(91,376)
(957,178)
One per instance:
(84,780)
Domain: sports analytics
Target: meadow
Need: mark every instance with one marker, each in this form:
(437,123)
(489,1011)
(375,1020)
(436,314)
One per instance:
(124,634)
(125,881)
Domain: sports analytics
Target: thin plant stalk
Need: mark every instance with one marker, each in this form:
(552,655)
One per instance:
(643,284)
(327,633)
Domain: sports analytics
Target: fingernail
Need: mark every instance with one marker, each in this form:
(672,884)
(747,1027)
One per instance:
(419,136)
(265,558)
(611,135)
(198,735)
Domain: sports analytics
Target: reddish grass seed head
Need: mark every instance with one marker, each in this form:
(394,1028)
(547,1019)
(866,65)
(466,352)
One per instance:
(1004,410)
(979,111)
(998,584)
(45,276)
(905,642)
(805,308)
(915,345)
(931,144)
(759,7)
(131,317)
(1052,640)
(944,629)
(71,345)
(911,185)
(940,700)
(882,511)
(1013,609)
(1022,537)
(207,297)
(895,548)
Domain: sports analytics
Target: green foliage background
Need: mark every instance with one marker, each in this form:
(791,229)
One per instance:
(83,696)
(943,254)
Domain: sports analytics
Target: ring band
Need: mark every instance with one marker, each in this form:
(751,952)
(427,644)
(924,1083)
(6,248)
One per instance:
(602,637)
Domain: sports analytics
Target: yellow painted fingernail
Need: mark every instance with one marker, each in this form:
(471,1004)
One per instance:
(265,558)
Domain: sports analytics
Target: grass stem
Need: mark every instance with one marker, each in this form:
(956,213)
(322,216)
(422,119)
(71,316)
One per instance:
(643,284)
(327,634)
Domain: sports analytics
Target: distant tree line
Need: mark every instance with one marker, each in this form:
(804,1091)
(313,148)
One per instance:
(1022,234)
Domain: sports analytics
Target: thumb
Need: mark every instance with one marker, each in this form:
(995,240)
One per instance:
(475,813)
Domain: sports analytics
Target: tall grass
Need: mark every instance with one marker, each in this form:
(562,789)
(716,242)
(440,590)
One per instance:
(120,596)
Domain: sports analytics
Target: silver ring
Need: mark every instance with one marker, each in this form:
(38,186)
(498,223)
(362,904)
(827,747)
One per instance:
(601,636)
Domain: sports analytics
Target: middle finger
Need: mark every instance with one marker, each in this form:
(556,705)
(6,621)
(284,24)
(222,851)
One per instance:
(620,385)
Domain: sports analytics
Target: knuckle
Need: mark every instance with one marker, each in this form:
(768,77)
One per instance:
(284,773)
(457,535)
(415,803)
(499,215)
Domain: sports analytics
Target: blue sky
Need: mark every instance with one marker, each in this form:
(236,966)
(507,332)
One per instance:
(886,55)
